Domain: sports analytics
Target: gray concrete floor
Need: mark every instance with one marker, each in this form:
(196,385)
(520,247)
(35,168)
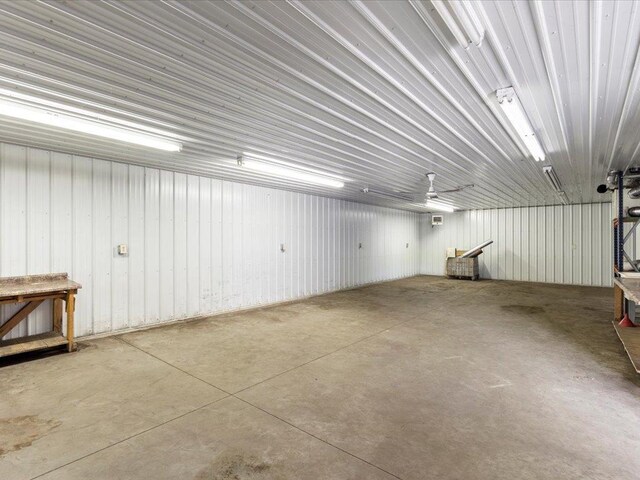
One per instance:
(414,379)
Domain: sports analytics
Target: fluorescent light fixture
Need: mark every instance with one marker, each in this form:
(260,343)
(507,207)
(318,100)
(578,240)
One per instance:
(554,181)
(563,198)
(53,118)
(441,207)
(513,110)
(289,172)
(462,20)
(552,178)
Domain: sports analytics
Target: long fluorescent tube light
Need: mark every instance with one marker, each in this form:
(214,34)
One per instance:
(563,198)
(461,20)
(287,172)
(92,127)
(552,178)
(513,110)
(441,207)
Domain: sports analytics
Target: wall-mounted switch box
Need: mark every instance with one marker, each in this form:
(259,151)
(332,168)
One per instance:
(123,249)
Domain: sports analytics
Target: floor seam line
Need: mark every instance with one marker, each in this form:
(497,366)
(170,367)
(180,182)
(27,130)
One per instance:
(317,438)
(334,351)
(132,436)
(322,356)
(274,376)
(173,366)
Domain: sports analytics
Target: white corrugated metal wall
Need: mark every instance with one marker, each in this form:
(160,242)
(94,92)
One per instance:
(196,245)
(555,244)
(202,246)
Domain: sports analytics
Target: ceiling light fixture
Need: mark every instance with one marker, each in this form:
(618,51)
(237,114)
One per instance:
(441,207)
(554,181)
(290,172)
(563,198)
(96,127)
(512,108)
(552,178)
(461,20)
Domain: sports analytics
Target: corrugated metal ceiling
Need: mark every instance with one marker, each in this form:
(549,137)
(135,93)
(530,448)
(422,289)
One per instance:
(376,92)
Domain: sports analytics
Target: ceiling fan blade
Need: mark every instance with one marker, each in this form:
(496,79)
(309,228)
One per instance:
(415,196)
(459,188)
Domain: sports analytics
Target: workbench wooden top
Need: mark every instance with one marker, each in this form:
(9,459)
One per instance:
(630,286)
(35,284)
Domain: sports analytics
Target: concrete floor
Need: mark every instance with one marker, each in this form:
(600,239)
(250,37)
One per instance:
(414,379)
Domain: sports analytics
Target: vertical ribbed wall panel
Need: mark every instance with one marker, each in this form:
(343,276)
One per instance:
(555,244)
(196,245)
(202,246)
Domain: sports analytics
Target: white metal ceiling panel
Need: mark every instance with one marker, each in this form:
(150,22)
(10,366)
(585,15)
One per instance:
(376,92)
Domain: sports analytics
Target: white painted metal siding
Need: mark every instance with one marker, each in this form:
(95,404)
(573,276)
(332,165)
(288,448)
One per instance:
(196,245)
(555,244)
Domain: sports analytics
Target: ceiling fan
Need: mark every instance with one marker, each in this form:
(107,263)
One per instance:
(421,196)
(432,193)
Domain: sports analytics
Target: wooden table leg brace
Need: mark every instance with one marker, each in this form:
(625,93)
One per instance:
(19,316)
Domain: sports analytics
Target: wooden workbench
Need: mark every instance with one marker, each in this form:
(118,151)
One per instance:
(34,290)
(629,336)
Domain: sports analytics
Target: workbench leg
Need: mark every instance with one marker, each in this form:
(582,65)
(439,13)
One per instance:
(71,306)
(618,303)
(57,315)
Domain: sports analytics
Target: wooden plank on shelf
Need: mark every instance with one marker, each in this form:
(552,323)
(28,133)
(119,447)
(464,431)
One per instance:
(630,287)
(630,338)
(31,343)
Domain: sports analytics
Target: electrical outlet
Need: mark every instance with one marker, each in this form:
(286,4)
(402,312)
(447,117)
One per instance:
(123,249)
